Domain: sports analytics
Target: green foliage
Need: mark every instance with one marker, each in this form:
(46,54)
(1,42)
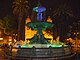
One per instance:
(8,24)
(1,23)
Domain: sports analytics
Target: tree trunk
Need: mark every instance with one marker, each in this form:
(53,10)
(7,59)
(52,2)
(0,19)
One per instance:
(19,28)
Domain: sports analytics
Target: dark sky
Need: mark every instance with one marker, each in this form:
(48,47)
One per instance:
(6,5)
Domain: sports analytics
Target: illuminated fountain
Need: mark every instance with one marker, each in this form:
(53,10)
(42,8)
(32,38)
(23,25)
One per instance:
(40,44)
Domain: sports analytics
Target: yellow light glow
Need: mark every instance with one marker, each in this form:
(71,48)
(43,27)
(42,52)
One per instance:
(1,38)
(0,32)
(28,20)
(67,39)
(10,39)
(47,35)
(14,50)
(15,40)
(77,32)
(9,43)
(49,19)
(29,33)
(25,42)
(74,33)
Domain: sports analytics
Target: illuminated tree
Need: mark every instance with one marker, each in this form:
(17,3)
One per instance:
(4,24)
(8,24)
(21,9)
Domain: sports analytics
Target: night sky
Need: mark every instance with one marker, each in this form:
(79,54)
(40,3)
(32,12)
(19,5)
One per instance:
(6,5)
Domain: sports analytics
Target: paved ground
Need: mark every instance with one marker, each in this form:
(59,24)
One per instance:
(2,56)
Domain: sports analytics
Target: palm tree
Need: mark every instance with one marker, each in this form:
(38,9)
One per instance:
(21,9)
(62,12)
(63,9)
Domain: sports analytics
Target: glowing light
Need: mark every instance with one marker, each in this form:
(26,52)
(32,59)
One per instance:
(1,38)
(0,33)
(9,43)
(14,50)
(74,33)
(15,40)
(10,40)
(29,33)
(49,19)
(28,20)
(47,35)
(77,32)
(67,39)
(42,45)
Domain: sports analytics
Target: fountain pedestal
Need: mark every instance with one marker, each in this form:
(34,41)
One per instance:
(39,37)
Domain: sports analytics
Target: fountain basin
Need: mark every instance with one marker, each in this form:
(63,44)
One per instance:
(41,46)
(43,50)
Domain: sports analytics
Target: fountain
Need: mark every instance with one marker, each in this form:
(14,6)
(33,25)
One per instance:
(39,46)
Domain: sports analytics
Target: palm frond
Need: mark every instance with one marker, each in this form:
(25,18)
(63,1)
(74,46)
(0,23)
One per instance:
(20,7)
(63,9)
